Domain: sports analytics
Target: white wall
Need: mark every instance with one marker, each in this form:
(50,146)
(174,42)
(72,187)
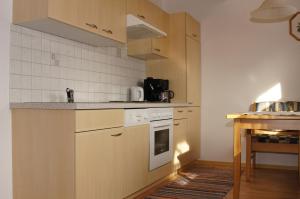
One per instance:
(5,127)
(240,61)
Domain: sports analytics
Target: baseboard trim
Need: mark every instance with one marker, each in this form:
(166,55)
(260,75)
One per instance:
(258,166)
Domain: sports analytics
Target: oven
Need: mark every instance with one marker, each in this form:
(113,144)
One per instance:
(161,138)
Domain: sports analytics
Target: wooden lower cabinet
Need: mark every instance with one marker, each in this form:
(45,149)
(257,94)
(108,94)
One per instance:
(99,164)
(186,136)
(136,158)
(193,132)
(112,163)
(180,144)
(59,154)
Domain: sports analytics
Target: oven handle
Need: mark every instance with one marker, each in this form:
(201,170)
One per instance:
(162,126)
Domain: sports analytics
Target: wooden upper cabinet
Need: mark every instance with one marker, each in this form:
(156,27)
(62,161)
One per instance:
(88,18)
(95,22)
(148,49)
(192,28)
(148,12)
(65,11)
(193,72)
(113,19)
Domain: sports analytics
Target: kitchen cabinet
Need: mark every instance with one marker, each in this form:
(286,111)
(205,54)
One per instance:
(76,154)
(148,12)
(192,27)
(93,22)
(136,158)
(148,49)
(99,164)
(193,133)
(182,68)
(180,113)
(180,143)
(69,154)
(193,71)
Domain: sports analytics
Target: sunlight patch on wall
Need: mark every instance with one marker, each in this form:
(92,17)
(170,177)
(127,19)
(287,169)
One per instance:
(273,94)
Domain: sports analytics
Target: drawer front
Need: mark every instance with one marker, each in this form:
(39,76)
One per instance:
(180,113)
(89,120)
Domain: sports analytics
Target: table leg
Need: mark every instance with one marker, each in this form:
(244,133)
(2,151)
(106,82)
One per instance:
(248,154)
(299,158)
(237,160)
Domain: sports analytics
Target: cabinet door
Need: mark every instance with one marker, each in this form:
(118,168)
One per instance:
(113,19)
(99,164)
(180,144)
(193,133)
(88,17)
(65,11)
(136,154)
(160,46)
(193,71)
(192,28)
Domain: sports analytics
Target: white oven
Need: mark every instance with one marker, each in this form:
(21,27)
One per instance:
(161,137)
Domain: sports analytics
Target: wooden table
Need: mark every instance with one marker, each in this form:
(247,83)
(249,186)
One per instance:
(256,122)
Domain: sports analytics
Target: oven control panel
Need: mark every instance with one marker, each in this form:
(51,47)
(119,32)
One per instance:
(156,114)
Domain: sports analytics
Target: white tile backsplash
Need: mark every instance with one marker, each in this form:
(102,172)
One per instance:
(42,66)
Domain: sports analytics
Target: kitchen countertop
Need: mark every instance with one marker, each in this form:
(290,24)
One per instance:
(93,106)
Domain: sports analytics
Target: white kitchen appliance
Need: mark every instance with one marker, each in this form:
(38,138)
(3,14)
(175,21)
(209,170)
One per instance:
(139,29)
(161,136)
(136,94)
(136,117)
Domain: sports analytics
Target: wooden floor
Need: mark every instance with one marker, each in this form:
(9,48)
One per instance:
(271,184)
(266,184)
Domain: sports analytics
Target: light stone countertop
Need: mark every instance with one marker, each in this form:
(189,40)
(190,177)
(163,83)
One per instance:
(93,106)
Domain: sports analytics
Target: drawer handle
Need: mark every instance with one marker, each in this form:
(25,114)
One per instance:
(157,49)
(141,16)
(177,124)
(107,31)
(195,35)
(117,135)
(92,25)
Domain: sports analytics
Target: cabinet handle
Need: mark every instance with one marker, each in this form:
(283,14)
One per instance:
(190,111)
(107,31)
(180,111)
(194,35)
(157,49)
(92,25)
(177,124)
(117,135)
(141,16)
(190,102)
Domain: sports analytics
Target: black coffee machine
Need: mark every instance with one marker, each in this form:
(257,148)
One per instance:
(157,90)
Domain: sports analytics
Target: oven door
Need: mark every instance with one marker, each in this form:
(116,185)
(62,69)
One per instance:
(161,143)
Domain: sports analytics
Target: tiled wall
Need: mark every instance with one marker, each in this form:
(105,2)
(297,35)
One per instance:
(42,67)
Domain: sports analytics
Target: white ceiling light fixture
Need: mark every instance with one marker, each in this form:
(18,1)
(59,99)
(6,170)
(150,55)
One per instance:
(273,11)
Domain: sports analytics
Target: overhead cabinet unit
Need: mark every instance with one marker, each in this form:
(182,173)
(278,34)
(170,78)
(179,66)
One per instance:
(148,49)
(95,22)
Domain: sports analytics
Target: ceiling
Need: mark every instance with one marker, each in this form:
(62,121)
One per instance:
(202,8)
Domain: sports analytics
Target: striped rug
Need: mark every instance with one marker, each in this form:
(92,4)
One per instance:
(197,183)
